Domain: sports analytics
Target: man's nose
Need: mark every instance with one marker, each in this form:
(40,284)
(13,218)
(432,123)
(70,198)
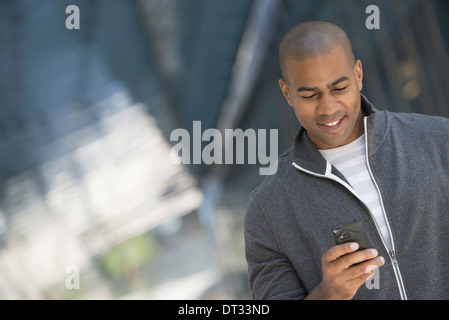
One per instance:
(328,104)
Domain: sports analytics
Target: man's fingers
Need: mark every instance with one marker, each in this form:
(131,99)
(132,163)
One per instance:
(356,257)
(369,272)
(345,269)
(339,250)
(364,270)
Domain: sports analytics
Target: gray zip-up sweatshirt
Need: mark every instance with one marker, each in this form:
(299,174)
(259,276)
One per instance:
(291,215)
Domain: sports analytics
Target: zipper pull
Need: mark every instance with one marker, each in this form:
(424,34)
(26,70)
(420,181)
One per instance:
(393,257)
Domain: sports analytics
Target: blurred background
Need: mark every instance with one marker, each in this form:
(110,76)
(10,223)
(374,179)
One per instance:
(86,115)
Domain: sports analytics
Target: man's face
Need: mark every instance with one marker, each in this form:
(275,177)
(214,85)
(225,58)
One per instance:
(324,92)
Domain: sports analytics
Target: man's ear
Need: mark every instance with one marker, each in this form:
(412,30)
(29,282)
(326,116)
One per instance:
(358,71)
(285,91)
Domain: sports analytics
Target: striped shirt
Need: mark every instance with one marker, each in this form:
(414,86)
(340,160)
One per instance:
(350,160)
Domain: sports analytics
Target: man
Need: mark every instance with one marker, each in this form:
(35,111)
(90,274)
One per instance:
(349,163)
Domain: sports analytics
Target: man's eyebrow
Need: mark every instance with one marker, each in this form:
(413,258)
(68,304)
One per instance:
(307,89)
(344,78)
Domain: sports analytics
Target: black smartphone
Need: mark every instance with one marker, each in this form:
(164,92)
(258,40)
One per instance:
(352,232)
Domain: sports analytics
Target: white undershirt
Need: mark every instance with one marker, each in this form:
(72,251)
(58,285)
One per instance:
(350,160)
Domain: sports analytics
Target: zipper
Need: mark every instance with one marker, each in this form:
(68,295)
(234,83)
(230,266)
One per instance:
(398,276)
(391,252)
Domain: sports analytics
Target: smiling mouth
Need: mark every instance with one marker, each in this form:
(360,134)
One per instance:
(332,124)
(332,127)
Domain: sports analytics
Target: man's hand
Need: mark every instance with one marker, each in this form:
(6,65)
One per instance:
(341,278)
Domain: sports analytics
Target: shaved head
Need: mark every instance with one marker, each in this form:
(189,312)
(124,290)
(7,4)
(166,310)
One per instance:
(309,39)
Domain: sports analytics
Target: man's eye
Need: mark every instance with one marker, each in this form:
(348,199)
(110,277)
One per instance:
(309,97)
(340,89)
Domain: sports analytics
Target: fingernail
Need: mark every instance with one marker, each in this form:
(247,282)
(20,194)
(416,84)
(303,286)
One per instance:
(382,259)
(354,246)
(374,252)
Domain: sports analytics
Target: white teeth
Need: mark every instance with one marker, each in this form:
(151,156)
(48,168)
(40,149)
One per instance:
(332,123)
